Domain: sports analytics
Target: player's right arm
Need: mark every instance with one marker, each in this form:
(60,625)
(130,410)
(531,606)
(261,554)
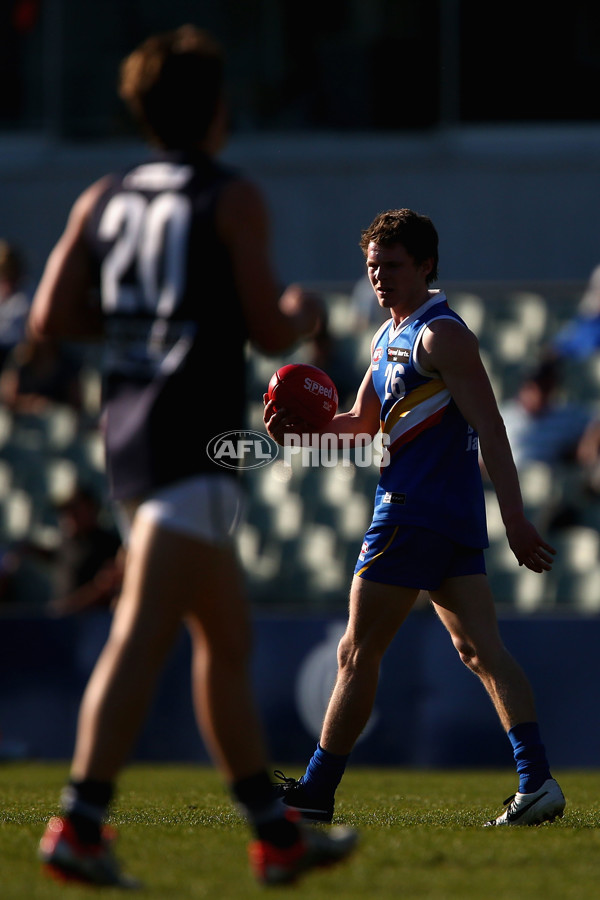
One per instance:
(62,305)
(275,320)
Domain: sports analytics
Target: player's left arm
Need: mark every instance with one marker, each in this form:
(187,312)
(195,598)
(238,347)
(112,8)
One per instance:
(453,351)
(62,304)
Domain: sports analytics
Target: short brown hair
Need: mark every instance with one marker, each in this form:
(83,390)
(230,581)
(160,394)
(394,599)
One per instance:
(172,83)
(415,232)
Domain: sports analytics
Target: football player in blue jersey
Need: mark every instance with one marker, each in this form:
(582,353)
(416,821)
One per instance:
(177,250)
(427,390)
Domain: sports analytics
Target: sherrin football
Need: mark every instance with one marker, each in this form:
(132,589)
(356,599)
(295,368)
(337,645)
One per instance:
(305,391)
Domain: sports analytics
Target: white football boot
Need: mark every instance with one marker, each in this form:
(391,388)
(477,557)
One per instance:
(540,806)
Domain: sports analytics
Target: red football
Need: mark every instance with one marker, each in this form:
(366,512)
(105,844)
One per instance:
(305,391)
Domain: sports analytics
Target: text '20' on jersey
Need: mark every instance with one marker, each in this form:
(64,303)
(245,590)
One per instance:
(174,368)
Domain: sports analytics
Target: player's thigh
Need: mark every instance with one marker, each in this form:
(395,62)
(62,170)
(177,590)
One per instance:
(170,576)
(376,612)
(465,605)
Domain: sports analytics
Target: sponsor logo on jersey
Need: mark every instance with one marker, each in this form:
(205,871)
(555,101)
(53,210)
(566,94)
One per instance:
(242,450)
(394,497)
(377,354)
(398,354)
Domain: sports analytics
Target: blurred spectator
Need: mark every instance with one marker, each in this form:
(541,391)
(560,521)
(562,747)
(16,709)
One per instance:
(14,301)
(588,457)
(83,570)
(38,373)
(580,337)
(88,565)
(541,426)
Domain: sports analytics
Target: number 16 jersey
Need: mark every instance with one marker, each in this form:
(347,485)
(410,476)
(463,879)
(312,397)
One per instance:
(432,478)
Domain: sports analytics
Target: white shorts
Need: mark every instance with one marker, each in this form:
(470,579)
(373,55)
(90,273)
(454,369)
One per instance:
(208,507)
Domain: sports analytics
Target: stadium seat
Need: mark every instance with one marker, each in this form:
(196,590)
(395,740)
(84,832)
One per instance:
(522,589)
(90,379)
(337,483)
(92,444)
(6,478)
(304,524)
(258,553)
(577,550)
(529,310)
(354,517)
(538,488)
(510,343)
(495,374)
(287,518)
(259,371)
(579,591)
(61,478)
(254,414)
(62,425)
(470,307)
(270,484)
(6,426)
(495,525)
(341,314)
(262,516)
(499,557)
(317,551)
(17,515)
(363,349)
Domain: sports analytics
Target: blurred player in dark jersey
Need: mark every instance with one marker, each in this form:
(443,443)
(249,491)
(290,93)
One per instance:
(177,249)
(426,389)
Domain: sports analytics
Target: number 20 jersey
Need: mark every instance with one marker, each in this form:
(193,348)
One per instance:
(432,479)
(175,330)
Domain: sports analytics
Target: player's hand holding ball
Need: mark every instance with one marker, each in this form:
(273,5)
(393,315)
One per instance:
(300,399)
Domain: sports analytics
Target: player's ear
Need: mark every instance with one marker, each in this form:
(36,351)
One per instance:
(427,266)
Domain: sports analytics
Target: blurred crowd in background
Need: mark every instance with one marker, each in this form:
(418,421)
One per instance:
(60,551)
(330,70)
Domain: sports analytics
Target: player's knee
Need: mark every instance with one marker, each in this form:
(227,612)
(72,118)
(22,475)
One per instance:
(352,656)
(344,653)
(468,654)
(487,656)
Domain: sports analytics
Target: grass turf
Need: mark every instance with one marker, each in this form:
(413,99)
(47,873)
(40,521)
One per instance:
(421,837)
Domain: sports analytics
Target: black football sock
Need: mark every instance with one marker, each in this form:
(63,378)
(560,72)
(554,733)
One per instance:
(264,811)
(85,804)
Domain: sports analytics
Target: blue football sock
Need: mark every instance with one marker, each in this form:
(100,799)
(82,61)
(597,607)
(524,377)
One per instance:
(324,772)
(530,756)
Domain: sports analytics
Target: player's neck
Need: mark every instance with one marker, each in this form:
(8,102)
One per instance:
(403,310)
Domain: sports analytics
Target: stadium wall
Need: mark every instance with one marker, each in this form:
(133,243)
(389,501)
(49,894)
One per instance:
(510,203)
(430,711)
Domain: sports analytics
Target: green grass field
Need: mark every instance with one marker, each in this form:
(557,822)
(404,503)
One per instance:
(421,837)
